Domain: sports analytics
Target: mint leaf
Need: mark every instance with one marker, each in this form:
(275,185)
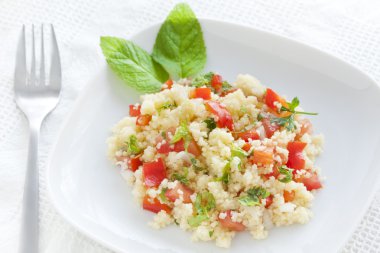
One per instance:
(179,45)
(133,64)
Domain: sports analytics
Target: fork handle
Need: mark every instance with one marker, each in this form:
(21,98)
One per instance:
(30,215)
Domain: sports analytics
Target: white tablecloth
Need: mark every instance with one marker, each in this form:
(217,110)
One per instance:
(349,29)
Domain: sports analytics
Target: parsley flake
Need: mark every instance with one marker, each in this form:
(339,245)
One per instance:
(287,174)
(253,197)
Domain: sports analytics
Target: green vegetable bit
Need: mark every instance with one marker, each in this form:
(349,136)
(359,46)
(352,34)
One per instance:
(293,105)
(182,132)
(132,145)
(182,178)
(288,121)
(236,151)
(253,197)
(195,166)
(162,195)
(204,203)
(287,174)
(211,124)
(225,178)
(203,80)
(166,105)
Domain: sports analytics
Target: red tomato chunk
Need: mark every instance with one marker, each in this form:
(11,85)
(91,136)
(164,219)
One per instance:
(295,158)
(154,173)
(143,120)
(229,224)
(311,183)
(268,201)
(134,110)
(217,82)
(204,93)
(269,128)
(224,118)
(134,163)
(250,134)
(154,205)
(173,194)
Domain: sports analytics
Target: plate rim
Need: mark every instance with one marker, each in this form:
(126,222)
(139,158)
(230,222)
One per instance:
(82,96)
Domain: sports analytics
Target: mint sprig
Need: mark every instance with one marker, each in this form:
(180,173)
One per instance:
(179,45)
(133,64)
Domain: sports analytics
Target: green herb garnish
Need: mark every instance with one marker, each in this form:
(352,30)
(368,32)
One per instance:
(236,151)
(253,197)
(293,105)
(162,195)
(132,145)
(210,233)
(259,117)
(287,174)
(182,132)
(166,105)
(195,166)
(211,124)
(288,121)
(133,64)
(203,80)
(203,204)
(225,178)
(182,178)
(179,45)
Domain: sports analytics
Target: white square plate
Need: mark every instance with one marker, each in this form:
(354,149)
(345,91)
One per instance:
(91,194)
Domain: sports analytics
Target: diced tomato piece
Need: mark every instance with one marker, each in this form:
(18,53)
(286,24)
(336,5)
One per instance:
(193,148)
(143,120)
(262,157)
(172,194)
(162,145)
(269,128)
(246,147)
(229,224)
(271,97)
(134,110)
(311,183)
(275,173)
(250,134)
(134,163)
(179,146)
(217,82)
(169,83)
(268,201)
(224,118)
(154,173)
(289,196)
(155,206)
(295,158)
(202,92)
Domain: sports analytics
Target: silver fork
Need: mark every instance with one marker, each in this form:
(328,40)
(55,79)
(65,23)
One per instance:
(36,97)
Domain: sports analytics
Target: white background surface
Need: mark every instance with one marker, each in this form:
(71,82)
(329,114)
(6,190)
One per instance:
(348,29)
